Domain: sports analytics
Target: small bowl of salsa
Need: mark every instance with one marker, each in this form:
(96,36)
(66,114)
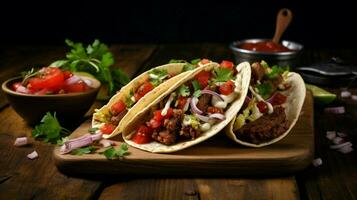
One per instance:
(50,89)
(254,50)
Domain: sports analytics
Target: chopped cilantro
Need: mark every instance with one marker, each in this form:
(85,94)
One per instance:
(50,129)
(113,153)
(93,130)
(265,90)
(188,67)
(195,61)
(159,73)
(222,74)
(128,101)
(177,61)
(84,150)
(197,88)
(264,64)
(184,91)
(275,70)
(197,93)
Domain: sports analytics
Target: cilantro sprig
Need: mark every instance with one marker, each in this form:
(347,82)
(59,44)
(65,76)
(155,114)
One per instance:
(222,74)
(196,88)
(97,60)
(184,91)
(265,89)
(275,71)
(84,150)
(50,130)
(113,153)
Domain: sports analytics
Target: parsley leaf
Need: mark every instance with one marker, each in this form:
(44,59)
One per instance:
(184,91)
(128,100)
(84,150)
(265,90)
(275,70)
(197,88)
(195,61)
(93,130)
(222,74)
(177,61)
(97,60)
(113,153)
(188,67)
(50,129)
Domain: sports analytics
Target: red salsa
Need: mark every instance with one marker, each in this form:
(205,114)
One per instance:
(264,46)
(51,80)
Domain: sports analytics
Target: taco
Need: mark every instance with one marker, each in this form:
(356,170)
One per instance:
(191,111)
(136,95)
(271,108)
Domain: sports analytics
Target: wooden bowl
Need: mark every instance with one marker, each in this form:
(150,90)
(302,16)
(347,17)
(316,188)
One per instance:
(70,108)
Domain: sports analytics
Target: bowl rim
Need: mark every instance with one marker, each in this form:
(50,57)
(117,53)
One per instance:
(6,89)
(234,47)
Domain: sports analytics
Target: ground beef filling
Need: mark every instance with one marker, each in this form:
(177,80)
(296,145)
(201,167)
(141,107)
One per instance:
(265,128)
(172,130)
(115,119)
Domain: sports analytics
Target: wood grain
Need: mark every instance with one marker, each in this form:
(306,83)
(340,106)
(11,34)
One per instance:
(22,178)
(228,188)
(216,157)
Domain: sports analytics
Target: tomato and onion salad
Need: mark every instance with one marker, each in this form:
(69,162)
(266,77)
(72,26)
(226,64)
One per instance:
(204,78)
(51,80)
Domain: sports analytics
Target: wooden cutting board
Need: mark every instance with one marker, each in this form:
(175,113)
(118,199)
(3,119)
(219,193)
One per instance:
(217,156)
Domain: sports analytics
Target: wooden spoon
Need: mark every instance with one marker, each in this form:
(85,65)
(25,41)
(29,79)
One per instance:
(283,20)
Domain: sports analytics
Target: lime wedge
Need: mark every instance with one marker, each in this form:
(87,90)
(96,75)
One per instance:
(83,74)
(321,96)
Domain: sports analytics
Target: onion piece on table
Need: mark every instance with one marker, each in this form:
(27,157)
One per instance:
(345,94)
(354,97)
(337,146)
(330,135)
(106,143)
(21,141)
(32,155)
(317,162)
(345,149)
(338,140)
(335,110)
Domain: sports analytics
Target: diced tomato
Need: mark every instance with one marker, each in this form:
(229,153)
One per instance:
(157,119)
(203,78)
(79,86)
(117,107)
(181,102)
(67,74)
(262,106)
(227,64)
(107,128)
(154,123)
(143,90)
(16,85)
(50,77)
(226,88)
(143,135)
(205,61)
(278,99)
(212,109)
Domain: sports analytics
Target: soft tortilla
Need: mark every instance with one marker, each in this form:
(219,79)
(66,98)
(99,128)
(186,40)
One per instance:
(174,68)
(155,147)
(295,100)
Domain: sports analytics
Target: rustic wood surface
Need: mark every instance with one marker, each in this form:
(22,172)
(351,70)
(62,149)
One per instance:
(217,156)
(21,178)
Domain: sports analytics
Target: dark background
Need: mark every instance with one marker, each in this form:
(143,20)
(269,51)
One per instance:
(315,23)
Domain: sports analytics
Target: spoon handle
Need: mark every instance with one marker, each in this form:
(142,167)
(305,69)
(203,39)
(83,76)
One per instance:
(283,20)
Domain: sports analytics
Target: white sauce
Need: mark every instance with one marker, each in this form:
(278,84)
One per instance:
(205,127)
(153,76)
(132,98)
(229,98)
(167,105)
(270,107)
(187,120)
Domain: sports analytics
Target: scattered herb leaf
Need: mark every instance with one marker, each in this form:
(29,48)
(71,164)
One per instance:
(265,90)
(93,130)
(113,153)
(275,70)
(184,90)
(222,74)
(84,150)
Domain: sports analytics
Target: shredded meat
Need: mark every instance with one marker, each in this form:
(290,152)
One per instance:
(258,71)
(189,132)
(204,102)
(165,137)
(278,79)
(115,119)
(174,123)
(265,128)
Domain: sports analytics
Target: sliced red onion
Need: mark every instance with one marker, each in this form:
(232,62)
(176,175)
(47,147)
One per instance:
(187,105)
(247,100)
(202,118)
(22,89)
(345,149)
(32,155)
(71,145)
(317,162)
(194,108)
(71,80)
(96,136)
(338,140)
(337,146)
(343,135)
(218,116)
(354,97)
(205,91)
(21,141)
(345,94)
(330,135)
(88,82)
(106,143)
(335,110)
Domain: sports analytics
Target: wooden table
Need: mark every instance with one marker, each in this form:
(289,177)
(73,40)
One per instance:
(21,178)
